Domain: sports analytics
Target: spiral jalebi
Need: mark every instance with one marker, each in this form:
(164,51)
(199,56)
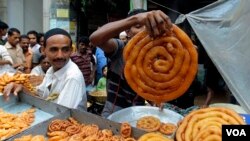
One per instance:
(206,124)
(162,69)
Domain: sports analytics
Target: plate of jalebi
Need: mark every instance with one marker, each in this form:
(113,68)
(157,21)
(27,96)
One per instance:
(163,68)
(133,114)
(206,124)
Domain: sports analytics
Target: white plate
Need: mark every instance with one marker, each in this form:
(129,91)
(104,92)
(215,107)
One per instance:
(132,114)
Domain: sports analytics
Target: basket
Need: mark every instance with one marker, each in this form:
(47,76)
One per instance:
(98,96)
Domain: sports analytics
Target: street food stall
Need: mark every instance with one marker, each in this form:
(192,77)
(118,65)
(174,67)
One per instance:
(222,28)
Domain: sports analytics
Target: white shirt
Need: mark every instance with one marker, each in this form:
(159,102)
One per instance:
(36,53)
(37,70)
(4,54)
(69,83)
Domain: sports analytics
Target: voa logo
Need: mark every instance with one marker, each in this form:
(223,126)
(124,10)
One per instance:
(236,132)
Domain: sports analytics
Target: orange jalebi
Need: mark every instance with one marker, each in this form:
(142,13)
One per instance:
(206,124)
(162,69)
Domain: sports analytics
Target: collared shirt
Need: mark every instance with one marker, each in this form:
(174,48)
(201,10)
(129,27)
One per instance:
(4,54)
(16,53)
(36,53)
(37,70)
(68,82)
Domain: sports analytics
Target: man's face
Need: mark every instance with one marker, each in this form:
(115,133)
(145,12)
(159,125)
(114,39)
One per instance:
(134,30)
(83,48)
(58,49)
(45,64)
(14,39)
(3,32)
(24,43)
(41,41)
(124,38)
(33,39)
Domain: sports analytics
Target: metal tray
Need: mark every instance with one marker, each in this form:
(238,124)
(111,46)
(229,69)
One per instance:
(82,117)
(44,110)
(132,114)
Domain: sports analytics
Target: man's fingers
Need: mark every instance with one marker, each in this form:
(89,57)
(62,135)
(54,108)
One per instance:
(149,28)
(7,90)
(154,25)
(18,88)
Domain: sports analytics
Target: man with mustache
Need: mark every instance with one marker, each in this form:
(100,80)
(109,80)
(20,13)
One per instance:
(63,80)
(24,44)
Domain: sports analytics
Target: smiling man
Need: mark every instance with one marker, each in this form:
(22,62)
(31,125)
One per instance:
(63,81)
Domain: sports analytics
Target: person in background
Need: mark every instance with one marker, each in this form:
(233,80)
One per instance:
(101,61)
(123,37)
(3,30)
(101,85)
(41,42)
(43,66)
(35,47)
(24,44)
(119,93)
(5,58)
(63,82)
(85,61)
(14,49)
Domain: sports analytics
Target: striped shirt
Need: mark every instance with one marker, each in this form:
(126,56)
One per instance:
(84,64)
(120,95)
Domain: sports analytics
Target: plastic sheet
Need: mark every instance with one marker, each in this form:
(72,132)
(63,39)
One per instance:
(223,29)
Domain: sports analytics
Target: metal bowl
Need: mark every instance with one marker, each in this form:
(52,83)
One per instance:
(132,114)
(98,96)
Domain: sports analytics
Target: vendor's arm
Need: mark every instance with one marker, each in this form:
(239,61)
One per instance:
(210,94)
(4,62)
(156,23)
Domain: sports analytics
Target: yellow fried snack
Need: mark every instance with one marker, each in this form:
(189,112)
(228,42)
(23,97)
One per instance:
(148,123)
(167,128)
(153,137)
(206,124)
(162,69)
(18,78)
(11,124)
(126,130)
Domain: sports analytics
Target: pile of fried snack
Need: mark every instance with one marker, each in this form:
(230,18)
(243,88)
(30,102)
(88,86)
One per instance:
(11,124)
(199,125)
(206,124)
(18,78)
(153,124)
(72,130)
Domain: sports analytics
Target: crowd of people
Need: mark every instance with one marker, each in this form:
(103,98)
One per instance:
(96,64)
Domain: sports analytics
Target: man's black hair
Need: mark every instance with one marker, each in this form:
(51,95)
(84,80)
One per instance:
(33,32)
(24,37)
(84,39)
(12,30)
(41,58)
(3,25)
(56,31)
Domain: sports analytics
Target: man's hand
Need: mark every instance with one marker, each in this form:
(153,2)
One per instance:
(157,22)
(11,87)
